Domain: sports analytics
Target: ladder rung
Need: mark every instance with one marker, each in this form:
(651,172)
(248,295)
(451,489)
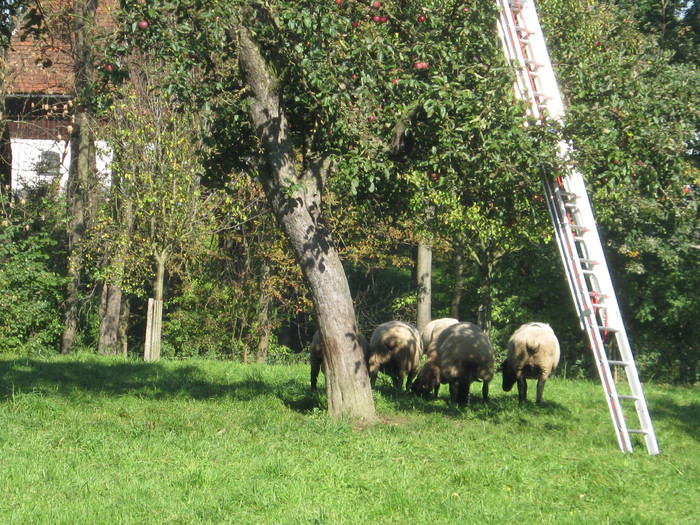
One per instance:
(636,431)
(576,227)
(532,63)
(567,195)
(618,363)
(608,329)
(628,397)
(588,261)
(541,95)
(523,29)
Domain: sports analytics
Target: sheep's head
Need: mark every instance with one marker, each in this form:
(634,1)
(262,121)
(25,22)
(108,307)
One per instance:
(509,377)
(426,382)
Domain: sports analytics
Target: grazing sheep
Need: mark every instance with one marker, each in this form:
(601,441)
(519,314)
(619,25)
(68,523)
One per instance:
(434,328)
(316,355)
(461,355)
(533,353)
(395,348)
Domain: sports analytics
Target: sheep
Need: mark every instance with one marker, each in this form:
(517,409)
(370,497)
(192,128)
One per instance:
(533,353)
(430,373)
(462,354)
(434,328)
(396,349)
(316,355)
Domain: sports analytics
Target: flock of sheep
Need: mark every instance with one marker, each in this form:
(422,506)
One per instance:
(456,354)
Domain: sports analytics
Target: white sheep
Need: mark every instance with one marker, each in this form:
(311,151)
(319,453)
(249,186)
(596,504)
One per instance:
(396,349)
(434,328)
(316,355)
(461,355)
(533,353)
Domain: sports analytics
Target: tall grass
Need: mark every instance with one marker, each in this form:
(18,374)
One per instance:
(90,440)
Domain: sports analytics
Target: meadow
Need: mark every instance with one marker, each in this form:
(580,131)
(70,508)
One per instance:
(96,440)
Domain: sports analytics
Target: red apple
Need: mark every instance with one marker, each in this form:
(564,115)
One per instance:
(372,118)
(377,18)
(422,18)
(143,24)
(686,189)
(466,10)
(395,81)
(339,2)
(355,24)
(108,68)
(377,4)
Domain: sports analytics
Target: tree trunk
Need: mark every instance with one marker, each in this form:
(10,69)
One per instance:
(109,320)
(263,327)
(485,306)
(155,310)
(295,199)
(424,262)
(458,281)
(82,166)
(123,328)
(5,142)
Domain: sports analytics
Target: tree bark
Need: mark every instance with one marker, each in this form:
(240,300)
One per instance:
(295,197)
(81,172)
(424,271)
(109,320)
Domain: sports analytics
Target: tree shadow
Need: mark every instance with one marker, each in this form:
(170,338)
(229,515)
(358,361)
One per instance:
(147,380)
(684,417)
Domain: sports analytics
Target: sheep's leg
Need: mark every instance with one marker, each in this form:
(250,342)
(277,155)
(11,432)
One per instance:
(485,391)
(463,392)
(540,389)
(409,379)
(315,369)
(522,388)
(454,392)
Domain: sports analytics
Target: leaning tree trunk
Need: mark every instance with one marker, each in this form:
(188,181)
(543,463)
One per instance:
(424,262)
(82,166)
(295,199)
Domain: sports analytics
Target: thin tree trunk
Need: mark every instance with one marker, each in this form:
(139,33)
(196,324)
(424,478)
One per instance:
(122,330)
(424,270)
(5,142)
(263,326)
(81,172)
(486,301)
(458,281)
(295,199)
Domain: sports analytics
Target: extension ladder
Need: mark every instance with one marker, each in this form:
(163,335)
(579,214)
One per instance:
(575,227)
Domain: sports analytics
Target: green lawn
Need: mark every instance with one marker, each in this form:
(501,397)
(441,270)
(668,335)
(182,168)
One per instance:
(85,440)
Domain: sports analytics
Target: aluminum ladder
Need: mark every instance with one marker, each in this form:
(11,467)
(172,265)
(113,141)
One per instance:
(575,227)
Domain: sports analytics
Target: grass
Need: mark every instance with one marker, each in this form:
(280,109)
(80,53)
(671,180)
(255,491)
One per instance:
(91,440)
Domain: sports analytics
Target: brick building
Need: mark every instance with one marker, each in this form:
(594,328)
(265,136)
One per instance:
(40,87)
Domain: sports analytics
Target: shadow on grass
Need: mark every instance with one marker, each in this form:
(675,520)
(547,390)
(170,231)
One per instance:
(685,417)
(160,381)
(147,380)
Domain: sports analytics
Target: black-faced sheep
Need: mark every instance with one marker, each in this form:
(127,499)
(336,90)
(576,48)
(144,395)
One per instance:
(316,355)
(461,355)
(434,328)
(533,353)
(395,348)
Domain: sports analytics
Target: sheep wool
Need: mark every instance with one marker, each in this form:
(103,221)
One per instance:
(396,349)
(533,353)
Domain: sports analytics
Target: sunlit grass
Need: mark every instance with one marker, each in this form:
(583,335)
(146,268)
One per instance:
(89,440)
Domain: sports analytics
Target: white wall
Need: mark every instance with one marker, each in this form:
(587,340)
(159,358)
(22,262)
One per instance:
(27,155)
